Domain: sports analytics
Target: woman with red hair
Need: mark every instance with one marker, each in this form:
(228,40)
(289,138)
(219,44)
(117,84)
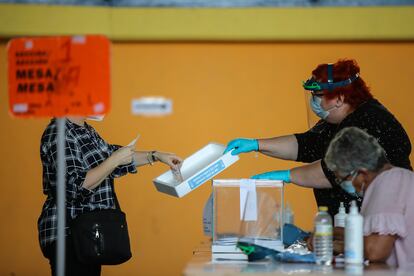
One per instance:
(340,98)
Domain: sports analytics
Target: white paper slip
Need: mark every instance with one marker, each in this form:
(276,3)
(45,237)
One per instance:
(248,200)
(177,174)
(133,142)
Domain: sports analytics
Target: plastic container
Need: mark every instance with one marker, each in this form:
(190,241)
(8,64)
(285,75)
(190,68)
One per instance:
(195,170)
(288,215)
(322,238)
(339,218)
(236,219)
(354,240)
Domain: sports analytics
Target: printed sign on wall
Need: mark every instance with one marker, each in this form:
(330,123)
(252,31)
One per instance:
(58,76)
(151,106)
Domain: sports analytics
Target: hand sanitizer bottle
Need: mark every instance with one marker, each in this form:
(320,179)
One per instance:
(354,239)
(339,218)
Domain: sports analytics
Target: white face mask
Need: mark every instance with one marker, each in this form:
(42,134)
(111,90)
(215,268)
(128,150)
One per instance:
(97,118)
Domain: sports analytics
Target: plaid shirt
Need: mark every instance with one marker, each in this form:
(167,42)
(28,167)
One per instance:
(84,150)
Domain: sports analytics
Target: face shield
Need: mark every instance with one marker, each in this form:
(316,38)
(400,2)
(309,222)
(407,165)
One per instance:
(311,116)
(314,91)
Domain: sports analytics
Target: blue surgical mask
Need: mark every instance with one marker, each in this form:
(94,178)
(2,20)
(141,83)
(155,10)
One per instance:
(348,187)
(315,104)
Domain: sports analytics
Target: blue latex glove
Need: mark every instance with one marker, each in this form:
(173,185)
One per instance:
(292,233)
(274,175)
(242,145)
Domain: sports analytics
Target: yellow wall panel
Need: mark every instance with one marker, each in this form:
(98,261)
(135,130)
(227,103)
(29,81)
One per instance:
(226,24)
(38,20)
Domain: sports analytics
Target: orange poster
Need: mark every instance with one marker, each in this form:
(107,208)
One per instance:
(58,76)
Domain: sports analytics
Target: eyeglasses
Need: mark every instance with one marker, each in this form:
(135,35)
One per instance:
(339,180)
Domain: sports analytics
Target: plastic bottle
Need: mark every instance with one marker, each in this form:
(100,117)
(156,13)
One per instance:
(339,218)
(289,217)
(354,240)
(322,238)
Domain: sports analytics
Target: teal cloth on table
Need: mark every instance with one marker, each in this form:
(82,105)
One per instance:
(292,233)
(289,257)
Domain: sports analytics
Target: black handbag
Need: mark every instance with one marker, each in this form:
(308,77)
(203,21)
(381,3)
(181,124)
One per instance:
(101,236)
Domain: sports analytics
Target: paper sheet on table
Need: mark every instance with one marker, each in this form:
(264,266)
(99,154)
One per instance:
(248,200)
(208,216)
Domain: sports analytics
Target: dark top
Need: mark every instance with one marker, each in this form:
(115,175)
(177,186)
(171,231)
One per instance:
(84,150)
(370,116)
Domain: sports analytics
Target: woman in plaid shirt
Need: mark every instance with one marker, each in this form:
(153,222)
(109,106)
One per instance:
(91,166)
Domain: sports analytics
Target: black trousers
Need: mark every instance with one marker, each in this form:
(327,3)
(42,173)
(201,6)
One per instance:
(72,266)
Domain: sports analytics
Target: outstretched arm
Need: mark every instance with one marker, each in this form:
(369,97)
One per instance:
(283,147)
(142,158)
(309,176)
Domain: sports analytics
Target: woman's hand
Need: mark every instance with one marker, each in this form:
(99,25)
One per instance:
(123,155)
(338,240)
(169,159)
(339,233)
(309,242)
(338,247)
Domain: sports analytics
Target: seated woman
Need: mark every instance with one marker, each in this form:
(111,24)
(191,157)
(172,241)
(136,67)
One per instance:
(388,191)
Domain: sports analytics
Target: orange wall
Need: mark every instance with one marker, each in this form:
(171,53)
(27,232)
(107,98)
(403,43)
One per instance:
(220,91)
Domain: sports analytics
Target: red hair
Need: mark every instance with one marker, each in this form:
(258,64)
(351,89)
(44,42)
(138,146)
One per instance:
(355,93)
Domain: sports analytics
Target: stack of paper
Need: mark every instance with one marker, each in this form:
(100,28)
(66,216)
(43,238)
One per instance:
(225,249)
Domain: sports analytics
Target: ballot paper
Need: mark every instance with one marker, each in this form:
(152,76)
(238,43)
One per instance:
(248,200)
(177,174)
(133,142)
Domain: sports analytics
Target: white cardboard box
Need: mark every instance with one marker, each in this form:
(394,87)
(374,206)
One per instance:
(196,170)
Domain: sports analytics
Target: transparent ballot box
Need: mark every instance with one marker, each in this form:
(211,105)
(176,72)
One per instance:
(246,210)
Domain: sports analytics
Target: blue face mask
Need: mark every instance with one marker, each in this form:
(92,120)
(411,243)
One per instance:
(315,104)
(348,187)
